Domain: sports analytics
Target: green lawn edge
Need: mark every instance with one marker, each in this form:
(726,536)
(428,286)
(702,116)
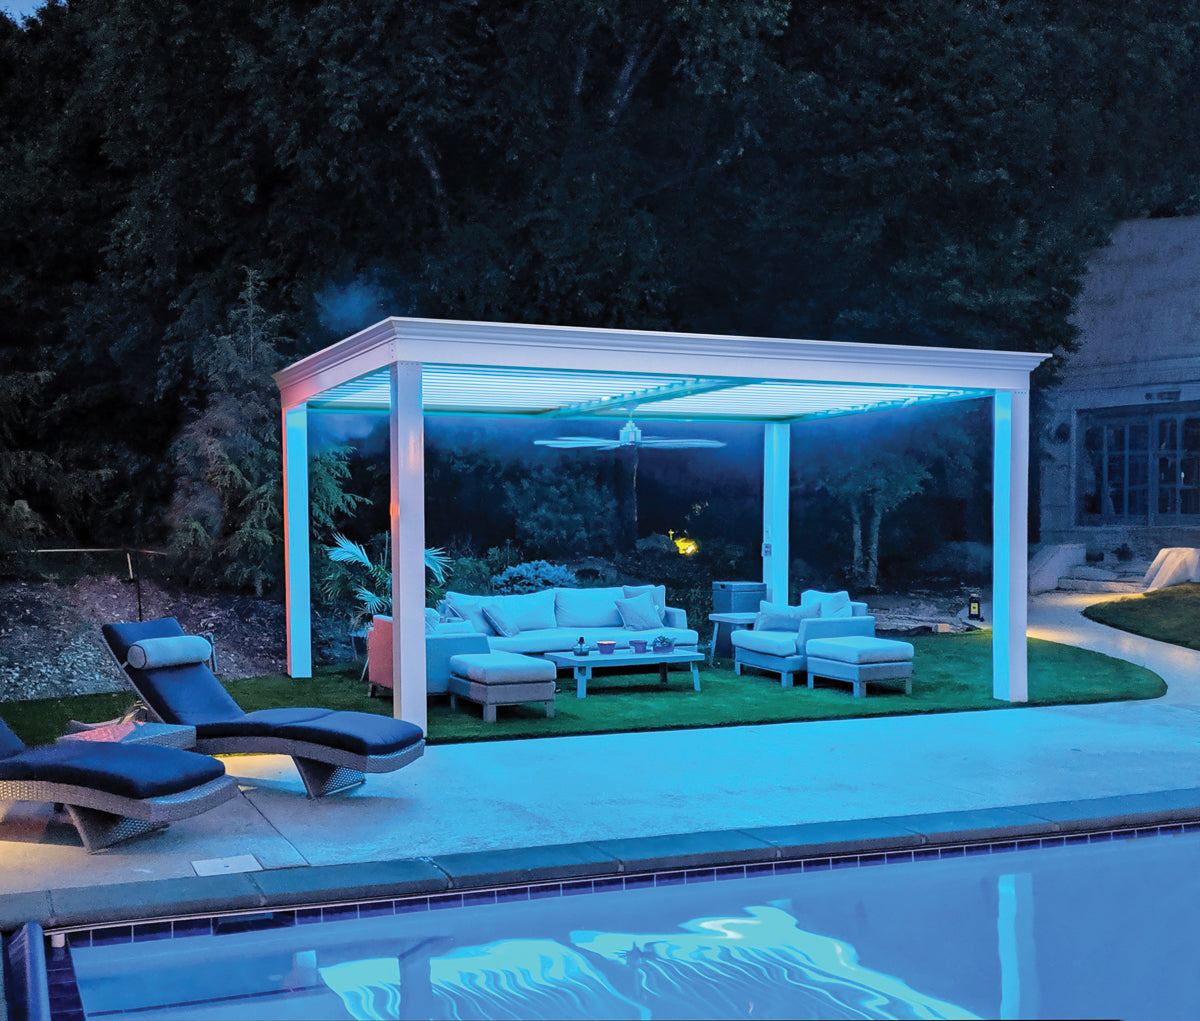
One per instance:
(951,673)
(1168,615)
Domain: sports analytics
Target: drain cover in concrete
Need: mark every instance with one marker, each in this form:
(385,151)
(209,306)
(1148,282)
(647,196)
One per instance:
(219,866)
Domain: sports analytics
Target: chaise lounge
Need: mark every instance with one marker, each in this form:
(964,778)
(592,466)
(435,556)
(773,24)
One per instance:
(113,792)
(332,750)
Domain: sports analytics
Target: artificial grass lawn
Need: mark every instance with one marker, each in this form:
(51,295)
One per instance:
(951,673)
(1169,615)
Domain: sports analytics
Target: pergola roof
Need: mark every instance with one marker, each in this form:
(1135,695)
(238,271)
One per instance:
(558,372)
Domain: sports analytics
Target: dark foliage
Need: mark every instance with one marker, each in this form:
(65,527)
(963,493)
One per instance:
(922,171)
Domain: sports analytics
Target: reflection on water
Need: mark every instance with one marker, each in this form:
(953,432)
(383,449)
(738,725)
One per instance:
(761,964)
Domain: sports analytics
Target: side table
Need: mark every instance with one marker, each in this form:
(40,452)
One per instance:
(735,620)
(165,735)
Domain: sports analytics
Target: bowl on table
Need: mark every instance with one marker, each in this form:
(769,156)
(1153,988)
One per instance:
(606,647)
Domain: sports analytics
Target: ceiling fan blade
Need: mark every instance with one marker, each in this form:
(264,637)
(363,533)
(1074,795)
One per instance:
(662,443)
(574,442)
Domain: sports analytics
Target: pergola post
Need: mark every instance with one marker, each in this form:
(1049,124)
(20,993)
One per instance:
(1010,538)
(777,437)
(297,569)
(407,513)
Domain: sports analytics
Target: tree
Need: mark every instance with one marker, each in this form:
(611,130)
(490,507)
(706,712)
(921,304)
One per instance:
(227,511)
(887,463)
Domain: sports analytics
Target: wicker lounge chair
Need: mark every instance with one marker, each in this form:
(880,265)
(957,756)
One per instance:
(332,749)
(113,791)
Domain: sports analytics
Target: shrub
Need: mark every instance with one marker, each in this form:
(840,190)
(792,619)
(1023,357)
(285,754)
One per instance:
(532,577)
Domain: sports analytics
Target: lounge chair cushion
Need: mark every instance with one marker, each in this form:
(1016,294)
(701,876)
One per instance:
(127,770)
(10,744)
(186,694)
(361,733)
(177,651)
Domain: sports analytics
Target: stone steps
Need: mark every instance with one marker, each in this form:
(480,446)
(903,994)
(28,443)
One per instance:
(1118,577)
(1091,585)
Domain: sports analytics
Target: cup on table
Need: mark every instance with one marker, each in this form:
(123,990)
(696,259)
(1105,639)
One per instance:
(606,647)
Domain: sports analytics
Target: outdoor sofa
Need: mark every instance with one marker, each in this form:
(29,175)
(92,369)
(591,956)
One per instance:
(112,792)
(332,749)
(534,623)
(778,641)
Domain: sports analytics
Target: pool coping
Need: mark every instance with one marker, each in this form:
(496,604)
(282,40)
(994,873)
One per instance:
(448,874)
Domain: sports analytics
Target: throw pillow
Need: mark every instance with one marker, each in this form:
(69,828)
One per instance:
(657,592)
(431,620)
(468,608)
(501,622)
(639,613)
(780,617)
(837,605)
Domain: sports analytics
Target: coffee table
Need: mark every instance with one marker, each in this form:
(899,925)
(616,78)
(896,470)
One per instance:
(583,665)
(165,735)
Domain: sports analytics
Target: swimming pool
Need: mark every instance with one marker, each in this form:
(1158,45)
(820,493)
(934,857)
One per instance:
(1061,927)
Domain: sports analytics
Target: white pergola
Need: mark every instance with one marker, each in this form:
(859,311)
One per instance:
(408,368)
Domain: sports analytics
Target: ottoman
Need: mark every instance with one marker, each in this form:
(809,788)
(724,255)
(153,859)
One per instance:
(501,678)
(859,659)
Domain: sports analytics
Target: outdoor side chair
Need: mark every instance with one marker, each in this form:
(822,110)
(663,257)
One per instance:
(113,792)
(332,749)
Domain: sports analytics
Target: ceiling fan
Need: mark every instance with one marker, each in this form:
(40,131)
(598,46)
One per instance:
(629,436)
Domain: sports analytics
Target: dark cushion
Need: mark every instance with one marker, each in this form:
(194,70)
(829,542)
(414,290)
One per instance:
(188,694)
(121,636)
(10,744)
(260,723)
(362,733)
(185,694)
(129,770)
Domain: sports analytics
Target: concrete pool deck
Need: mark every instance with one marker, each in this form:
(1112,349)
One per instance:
(471,815)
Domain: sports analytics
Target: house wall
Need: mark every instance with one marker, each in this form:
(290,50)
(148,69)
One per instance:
(1121,454)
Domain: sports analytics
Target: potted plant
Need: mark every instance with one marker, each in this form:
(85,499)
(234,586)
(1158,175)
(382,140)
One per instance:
(663,644)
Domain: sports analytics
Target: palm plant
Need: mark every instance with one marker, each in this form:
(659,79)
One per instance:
(370,581)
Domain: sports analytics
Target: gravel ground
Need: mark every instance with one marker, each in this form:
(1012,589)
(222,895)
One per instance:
(50,642)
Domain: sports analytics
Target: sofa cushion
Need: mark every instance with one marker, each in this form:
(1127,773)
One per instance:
(469,608)
(657,592)
(639,612)
(563,639)
(587,607)
(501,622)
(773,643)
(530,611)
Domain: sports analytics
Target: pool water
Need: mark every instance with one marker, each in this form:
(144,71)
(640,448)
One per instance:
(1107,928)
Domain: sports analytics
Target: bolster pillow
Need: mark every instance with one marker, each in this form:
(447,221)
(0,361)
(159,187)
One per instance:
(151,653)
